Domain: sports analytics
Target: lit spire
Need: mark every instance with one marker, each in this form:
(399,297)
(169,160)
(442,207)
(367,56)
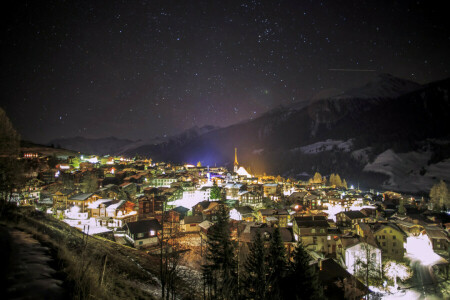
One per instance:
(235,157)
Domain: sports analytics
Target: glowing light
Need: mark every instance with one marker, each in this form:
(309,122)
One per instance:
(420,248)
(395,270)
(93,160)
(57,174)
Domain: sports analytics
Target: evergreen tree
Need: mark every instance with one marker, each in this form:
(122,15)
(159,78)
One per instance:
(401,207)
(337,180)
(344,184)
(255,269)
(215,192)
(317,178)
(440,196)
(332,179)
(303,279)
(277,264)
(220,271)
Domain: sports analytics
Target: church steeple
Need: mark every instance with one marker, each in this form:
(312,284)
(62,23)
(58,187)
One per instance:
(236,164)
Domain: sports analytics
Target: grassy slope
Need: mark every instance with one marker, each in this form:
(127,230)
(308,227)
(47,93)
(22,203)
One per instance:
(82,262)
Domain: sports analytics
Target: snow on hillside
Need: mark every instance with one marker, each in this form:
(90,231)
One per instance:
(325,146)
(409,172)
(362,155)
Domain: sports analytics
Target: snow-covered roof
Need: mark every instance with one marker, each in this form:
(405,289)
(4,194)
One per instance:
(97,203)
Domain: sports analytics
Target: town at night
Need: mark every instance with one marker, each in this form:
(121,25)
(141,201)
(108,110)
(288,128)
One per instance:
(225,150)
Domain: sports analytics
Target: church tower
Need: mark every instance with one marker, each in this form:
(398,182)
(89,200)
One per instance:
(236,164)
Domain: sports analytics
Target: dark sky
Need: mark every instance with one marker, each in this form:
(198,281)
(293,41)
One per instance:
(142,69)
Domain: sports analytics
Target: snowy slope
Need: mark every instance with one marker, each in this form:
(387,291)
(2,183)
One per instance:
(409,172)
(326,145)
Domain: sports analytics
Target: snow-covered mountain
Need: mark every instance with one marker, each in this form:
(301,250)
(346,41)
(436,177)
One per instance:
(342,134)
(389,133)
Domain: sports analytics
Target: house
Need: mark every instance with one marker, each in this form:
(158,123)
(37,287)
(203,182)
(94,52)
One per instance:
(391,239)
(190,223)
(338,283)
(313,231)
(438,237)
(210,212)
(353,249)
(204,228)
(271,190)
(232,190)
(350,218)
(82,200)
(242,213)
(250,232)
(60,197)
(148,206)
(251,198)
(274,216)
(143,233)
(198,208)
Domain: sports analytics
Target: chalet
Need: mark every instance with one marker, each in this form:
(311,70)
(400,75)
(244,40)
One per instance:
(391,239)
(352,249)
(190,223)
(287,236)
(438,237)
(82,200)
(232,190)
(313,231)
(251,198)
(148,206)
(274,216)
(350,218)
(143,233)
(271,190)
(60,197)
(338,283)
(242,213)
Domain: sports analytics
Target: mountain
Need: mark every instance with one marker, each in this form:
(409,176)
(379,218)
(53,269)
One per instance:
(100,146)
(115,146)
(345,133)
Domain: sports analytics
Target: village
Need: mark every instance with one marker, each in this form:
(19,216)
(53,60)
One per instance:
(154,206)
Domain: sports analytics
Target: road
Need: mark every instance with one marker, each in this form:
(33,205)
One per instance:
(29,271)
(424,282)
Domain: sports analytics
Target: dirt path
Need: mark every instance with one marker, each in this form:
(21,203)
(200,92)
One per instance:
(30,269)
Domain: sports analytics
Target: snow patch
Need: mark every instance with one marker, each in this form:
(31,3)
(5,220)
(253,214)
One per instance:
(409,172)
(325,146)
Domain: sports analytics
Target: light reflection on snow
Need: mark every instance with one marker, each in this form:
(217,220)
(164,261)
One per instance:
(420,248)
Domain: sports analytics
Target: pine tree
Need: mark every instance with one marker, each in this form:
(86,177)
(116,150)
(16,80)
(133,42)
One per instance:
(338,181)
(317,178)
(215,192)
(255,269)
(277,264)
(401,207)
(303,278)
(332,179)
(344,184)
(439,196)
(220,271)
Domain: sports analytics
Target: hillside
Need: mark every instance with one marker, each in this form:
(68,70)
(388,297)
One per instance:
(129,273)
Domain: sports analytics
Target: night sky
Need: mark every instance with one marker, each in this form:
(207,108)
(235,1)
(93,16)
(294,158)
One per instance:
(152,68)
